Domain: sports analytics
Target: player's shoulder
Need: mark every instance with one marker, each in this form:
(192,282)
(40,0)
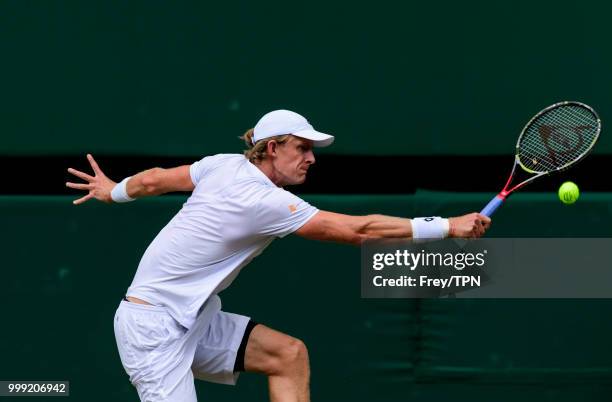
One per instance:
(225,157)
(217,164)
(230,156)
(220,160)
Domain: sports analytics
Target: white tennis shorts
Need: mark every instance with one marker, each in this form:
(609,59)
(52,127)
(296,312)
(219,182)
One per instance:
(162,357)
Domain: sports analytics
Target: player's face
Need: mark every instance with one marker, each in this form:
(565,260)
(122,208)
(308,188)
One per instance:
(293,159)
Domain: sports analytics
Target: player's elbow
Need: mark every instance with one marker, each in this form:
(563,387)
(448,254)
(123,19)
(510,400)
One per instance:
(365,227)
(152,181)
(361,230)
(350,232)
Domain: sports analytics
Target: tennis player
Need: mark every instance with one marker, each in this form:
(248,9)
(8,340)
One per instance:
(170,327)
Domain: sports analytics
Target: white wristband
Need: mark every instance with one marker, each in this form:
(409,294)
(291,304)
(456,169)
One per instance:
(119,193)
(430,228)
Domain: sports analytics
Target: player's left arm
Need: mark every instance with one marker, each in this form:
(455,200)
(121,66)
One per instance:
(149,182)
(341,228)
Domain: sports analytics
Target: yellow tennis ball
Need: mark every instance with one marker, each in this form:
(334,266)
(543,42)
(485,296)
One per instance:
(568,192)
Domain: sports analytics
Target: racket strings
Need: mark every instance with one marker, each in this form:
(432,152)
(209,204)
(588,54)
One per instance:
(558,138)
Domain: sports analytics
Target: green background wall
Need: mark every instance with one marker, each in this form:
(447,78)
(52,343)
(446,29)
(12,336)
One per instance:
(65,269)
(387,77)
(184,78)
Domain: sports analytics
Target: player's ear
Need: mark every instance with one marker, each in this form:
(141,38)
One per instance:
(271,147)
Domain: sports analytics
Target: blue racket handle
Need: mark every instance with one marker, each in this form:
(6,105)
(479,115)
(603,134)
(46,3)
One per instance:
(492,205)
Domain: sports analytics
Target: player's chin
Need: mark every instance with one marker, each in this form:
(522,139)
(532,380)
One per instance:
(301,178)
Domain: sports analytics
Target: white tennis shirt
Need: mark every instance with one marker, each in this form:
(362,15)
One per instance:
(233,214)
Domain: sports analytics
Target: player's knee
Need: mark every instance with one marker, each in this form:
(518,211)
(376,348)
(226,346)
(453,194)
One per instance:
(294,353)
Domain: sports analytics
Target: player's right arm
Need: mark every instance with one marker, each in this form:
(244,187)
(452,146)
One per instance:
(341,228)
(150,182)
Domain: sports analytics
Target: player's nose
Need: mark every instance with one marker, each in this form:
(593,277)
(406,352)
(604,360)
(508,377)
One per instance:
(310,158)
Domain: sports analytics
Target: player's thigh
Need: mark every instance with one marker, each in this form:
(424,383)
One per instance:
(218,348)
(151,348)
(268,351)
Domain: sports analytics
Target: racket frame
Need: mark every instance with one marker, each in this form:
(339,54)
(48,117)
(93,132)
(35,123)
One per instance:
(505,193)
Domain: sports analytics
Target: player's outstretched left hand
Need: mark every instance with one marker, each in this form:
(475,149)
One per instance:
(98,186)
(469,226)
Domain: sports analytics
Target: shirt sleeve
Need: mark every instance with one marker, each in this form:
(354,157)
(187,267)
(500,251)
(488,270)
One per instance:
(280,213)
(199,169)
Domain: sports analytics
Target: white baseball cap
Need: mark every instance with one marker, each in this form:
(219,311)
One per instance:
(281,122)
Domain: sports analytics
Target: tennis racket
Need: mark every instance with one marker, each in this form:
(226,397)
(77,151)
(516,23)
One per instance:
(553,140)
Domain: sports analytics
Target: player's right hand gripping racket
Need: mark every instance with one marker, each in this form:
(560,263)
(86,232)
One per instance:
(553,140)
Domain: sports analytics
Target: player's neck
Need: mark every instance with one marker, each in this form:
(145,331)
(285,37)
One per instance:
(267,168)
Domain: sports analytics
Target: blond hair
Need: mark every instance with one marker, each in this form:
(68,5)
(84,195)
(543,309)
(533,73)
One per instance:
(257,153)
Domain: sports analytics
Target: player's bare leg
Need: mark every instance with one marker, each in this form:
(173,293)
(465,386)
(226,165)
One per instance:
(284,359)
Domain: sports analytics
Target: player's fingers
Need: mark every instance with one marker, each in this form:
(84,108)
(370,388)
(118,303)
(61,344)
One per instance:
(477,229)
(80,174)
(484,219)
(94,164)
(83,199)
(79,186)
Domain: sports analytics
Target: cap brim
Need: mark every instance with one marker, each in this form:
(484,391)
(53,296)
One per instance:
(318,139)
